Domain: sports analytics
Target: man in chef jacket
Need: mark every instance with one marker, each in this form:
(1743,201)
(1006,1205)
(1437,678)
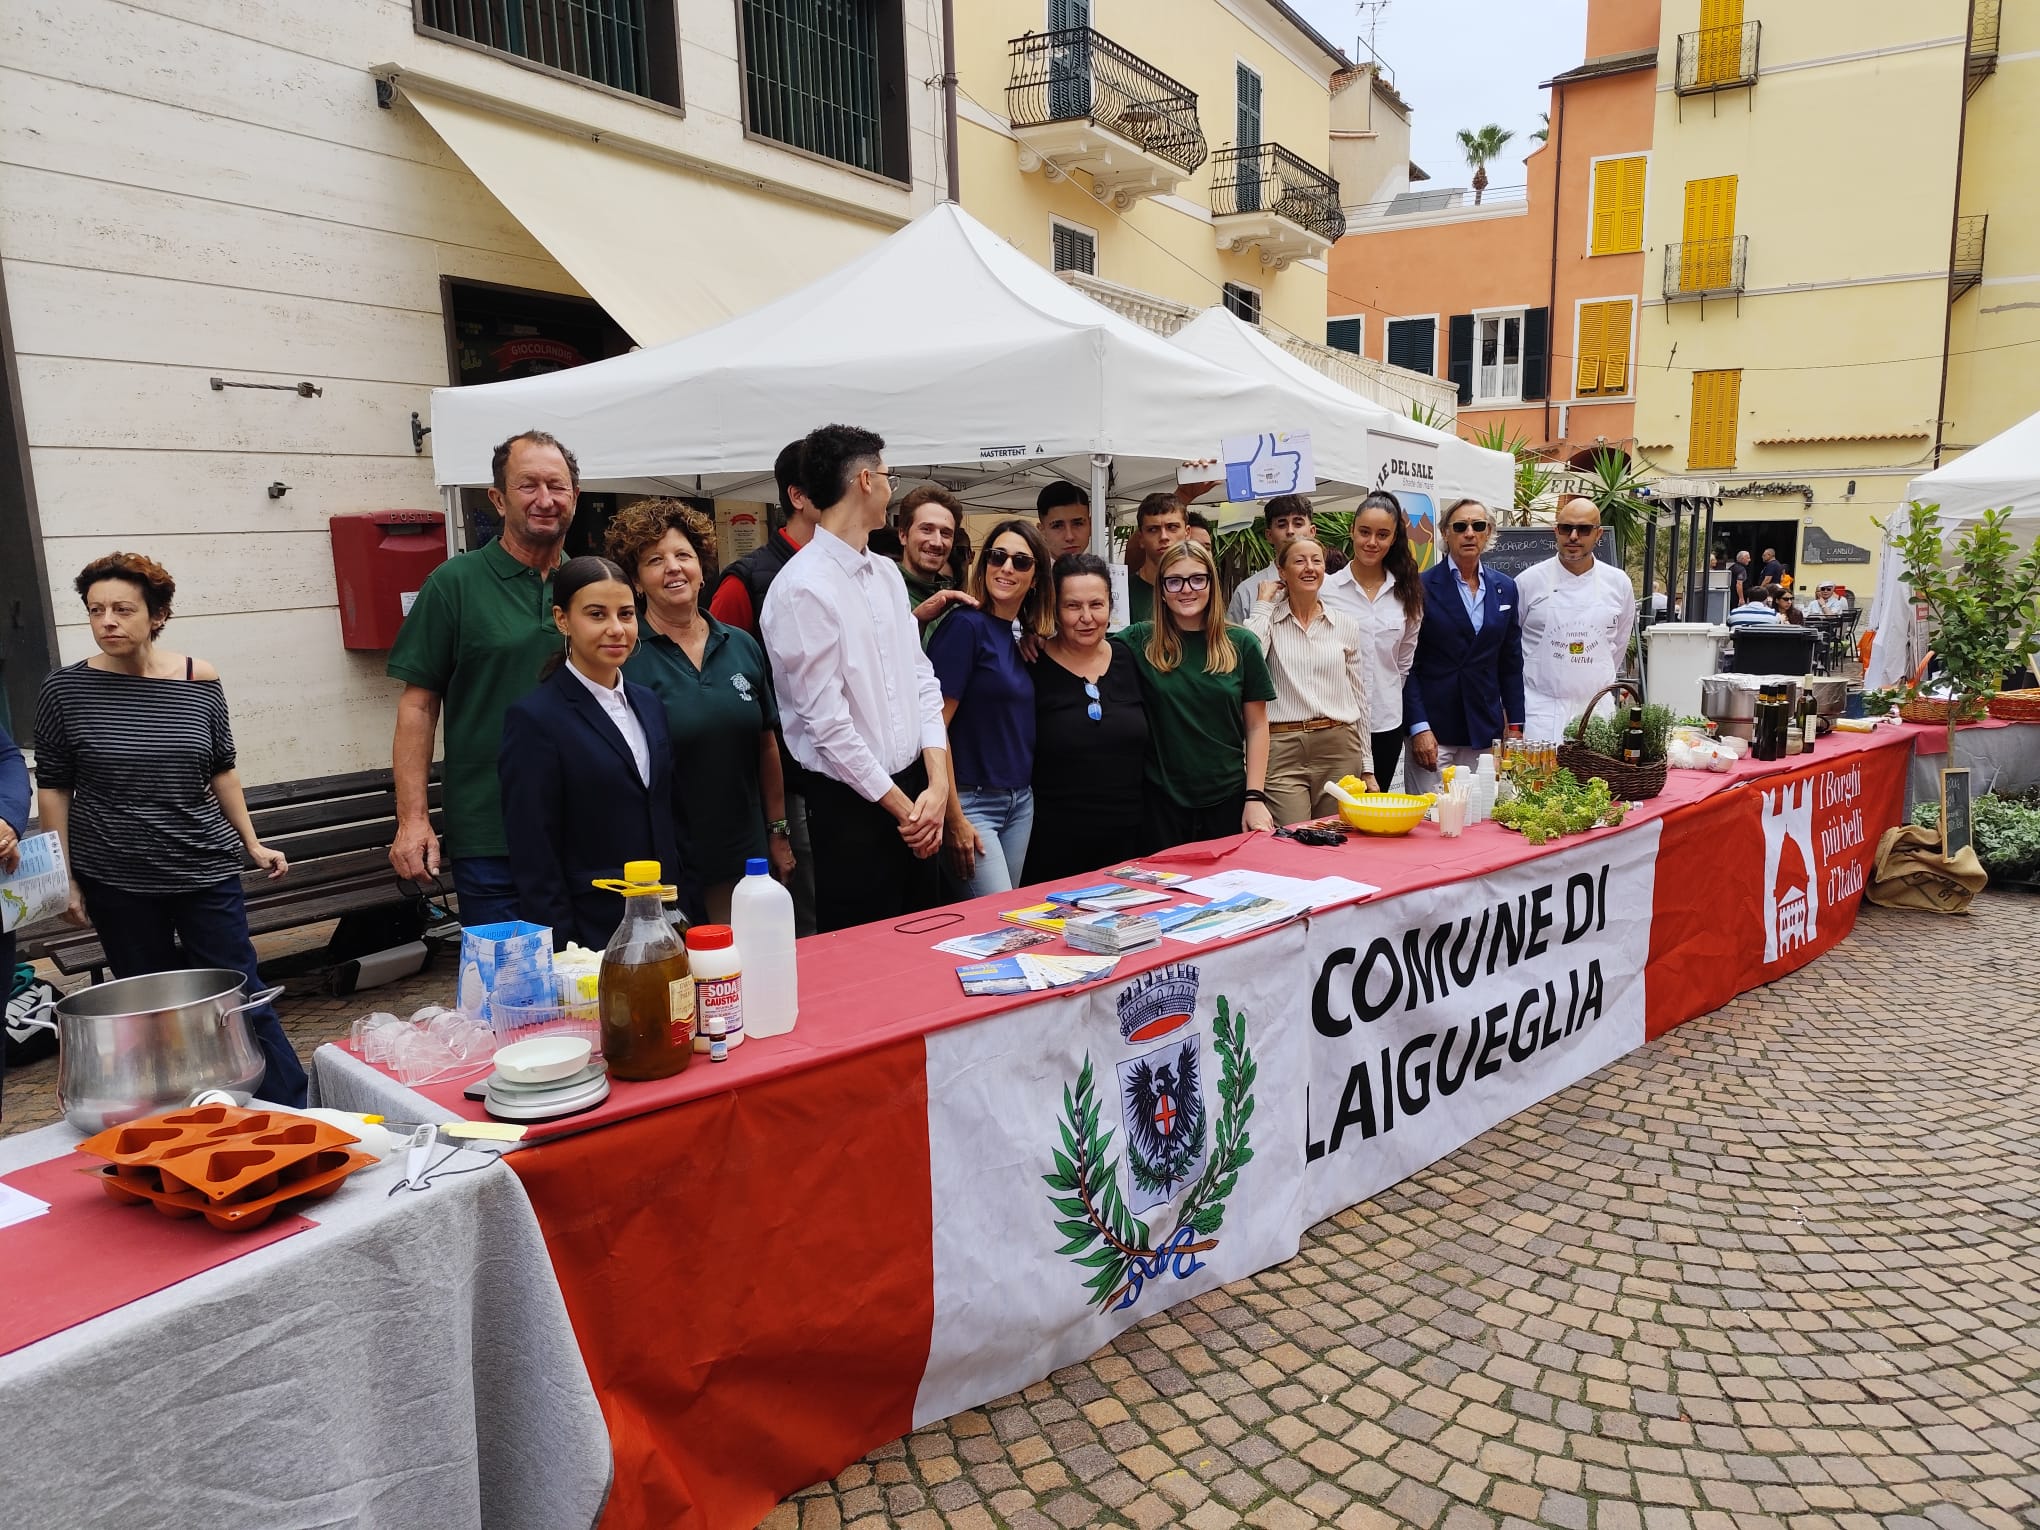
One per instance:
(1577,614)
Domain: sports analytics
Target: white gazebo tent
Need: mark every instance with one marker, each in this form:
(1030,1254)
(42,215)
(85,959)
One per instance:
(2002,473)
(981,370)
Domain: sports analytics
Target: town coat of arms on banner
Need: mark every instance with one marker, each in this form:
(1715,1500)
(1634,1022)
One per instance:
(1151,1144)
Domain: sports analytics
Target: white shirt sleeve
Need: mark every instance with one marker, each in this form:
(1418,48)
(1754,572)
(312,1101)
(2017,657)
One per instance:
(1356,671)
(810,679)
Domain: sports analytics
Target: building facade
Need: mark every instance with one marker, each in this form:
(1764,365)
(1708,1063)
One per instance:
(1525,300)
(1806,248)
(241,243)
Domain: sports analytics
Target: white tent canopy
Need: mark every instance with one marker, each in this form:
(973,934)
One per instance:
(973,362)
(2002,473)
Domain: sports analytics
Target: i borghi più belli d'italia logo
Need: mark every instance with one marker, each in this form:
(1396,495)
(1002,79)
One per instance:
(1180,1162)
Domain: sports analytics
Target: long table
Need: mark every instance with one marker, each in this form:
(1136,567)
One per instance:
(404,1362)
(917,1202)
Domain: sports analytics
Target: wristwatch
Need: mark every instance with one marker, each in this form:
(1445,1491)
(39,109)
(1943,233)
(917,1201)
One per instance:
(778,827)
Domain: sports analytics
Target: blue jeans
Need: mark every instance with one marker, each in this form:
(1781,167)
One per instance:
(207,927)
(486,889)
(1005,822)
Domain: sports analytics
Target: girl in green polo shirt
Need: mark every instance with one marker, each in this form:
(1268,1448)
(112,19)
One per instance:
(1206,689)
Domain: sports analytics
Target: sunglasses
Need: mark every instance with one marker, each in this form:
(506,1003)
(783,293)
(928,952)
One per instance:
(1094,711)
(1469,526)
(1569,532)
(998,557)
(1176,584)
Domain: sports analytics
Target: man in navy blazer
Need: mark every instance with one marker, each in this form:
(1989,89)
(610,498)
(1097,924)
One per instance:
(1466,683)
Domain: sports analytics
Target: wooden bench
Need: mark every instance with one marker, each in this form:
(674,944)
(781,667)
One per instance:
(336,830)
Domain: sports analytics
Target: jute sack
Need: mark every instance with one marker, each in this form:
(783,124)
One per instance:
(1911,872)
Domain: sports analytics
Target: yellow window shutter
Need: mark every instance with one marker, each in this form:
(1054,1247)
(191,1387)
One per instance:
(1589,348)
(1720,13)
(1716,401)
(1615,320)
(1720,41)
(1607,211)
(1629,230)
(1708,256)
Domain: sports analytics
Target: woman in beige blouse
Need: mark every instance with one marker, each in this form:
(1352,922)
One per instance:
(1318,720)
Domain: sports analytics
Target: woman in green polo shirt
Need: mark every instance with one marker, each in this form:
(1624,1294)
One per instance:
(1206,689)
(731,796)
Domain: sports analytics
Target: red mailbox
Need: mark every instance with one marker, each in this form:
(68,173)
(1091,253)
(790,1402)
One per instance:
(380,559)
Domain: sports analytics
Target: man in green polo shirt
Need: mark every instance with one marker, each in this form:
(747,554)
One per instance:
(472,644)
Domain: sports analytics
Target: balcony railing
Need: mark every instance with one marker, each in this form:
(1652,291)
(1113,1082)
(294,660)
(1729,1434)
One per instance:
(1077,75)
(1966,270)
(1267,178)
(1702,268)
(607,41)
(1718,58)
(1982,61)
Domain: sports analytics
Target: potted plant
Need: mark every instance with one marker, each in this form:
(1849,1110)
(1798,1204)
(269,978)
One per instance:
(1982,606)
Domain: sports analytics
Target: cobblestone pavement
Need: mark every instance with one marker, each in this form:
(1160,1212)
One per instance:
(1778,1268)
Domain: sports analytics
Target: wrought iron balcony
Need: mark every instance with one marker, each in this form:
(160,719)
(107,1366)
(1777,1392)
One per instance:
(1704,268)
(1267,196)
(1982,59)
(1078,99)
(1966,269)
(1718,58)
(624,44)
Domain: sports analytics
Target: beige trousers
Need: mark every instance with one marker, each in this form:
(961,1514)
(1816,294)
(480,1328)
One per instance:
(1299,764)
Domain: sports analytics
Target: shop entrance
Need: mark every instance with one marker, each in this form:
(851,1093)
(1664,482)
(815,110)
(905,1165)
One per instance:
(494,333)
(1732,537)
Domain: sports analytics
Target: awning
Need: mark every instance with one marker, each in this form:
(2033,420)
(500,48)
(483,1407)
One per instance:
(666,251)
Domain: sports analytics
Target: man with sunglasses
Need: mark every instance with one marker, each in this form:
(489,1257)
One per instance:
(1466,683)
(1577,613)
(858,701)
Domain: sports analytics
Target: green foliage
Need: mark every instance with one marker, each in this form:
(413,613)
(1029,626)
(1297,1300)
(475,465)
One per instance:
(2005,831)
(1561,806)
(1615,487)
(1984,607)
(1424,414)
(1533,478)
(1483,145)
(1604,734)
(1091,1215)
(1204,1207)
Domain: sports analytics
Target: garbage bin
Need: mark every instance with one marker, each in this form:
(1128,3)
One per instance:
(1779,650)
(1679,656)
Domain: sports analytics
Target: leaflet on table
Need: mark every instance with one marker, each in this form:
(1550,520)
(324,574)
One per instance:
(1132,873)
(1313,893)
(1032,974)
(39,887)
(1106,896)
(1228,917)
(1038,916)
(1116,933)
(994,942)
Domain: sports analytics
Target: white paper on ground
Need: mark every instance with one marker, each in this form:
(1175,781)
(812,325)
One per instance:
(1314,893)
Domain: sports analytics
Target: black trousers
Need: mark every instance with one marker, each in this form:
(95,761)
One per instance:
(1169,824)
(863,869)
(1388,754)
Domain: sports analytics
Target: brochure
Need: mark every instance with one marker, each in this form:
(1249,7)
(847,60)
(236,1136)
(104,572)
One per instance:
(1038,916)
(994,942)
(1032,974)
(1233,916)
(1143,874)
(1313,893)
(1111,932)
(39,887)
(1109,898)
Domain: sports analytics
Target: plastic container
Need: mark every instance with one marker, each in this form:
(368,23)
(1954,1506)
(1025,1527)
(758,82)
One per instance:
(647,989)
(717,964)
(761,915)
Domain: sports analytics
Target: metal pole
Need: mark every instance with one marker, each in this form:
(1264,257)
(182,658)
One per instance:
(1650,563)
(1101,482)
(955,171)
(1707,550)
(1694,577)
(1672,549)
(449,497)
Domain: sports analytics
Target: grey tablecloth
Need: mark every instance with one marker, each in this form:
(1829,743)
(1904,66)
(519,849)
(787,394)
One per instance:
(405,1364)
(1999,760)
(343,1081)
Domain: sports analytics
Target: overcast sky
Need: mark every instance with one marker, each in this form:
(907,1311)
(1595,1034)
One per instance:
(1463,64)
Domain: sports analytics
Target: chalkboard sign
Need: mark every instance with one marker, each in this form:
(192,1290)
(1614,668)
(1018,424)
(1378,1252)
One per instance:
(1956,830)
(1516,548)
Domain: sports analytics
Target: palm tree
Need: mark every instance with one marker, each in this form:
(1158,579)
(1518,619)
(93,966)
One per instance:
(1543,133)
(1480,148)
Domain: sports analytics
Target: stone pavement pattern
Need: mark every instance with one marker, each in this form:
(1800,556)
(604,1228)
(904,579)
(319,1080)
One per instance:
(1778,1268)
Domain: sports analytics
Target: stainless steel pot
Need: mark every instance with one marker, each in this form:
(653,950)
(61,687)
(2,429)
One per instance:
(140,1044)
(1830,693)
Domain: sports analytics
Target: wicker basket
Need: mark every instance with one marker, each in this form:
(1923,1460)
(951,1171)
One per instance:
(2016,706)
(1630,783)
(1936,709)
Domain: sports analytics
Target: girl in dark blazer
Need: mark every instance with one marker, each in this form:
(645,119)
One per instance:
(587,766)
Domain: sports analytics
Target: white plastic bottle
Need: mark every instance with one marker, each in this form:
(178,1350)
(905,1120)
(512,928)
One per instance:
(761,912)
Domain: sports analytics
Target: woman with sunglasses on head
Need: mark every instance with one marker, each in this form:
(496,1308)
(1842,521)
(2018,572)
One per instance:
(1318,722)
(1382,590)
(1207,690)
(988,705)
(1090,733)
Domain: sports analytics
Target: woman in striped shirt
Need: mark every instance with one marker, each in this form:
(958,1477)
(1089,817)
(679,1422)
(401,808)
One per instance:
(1317,723)
(134,763)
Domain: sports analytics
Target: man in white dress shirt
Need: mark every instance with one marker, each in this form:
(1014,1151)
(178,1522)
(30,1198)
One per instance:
(858,701)
(1577,614)
(1285,518)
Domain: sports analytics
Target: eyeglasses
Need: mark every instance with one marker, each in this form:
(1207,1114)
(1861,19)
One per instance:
(998,557)
(1570,532)
(1458,526)
(1176,584)
(1094,711)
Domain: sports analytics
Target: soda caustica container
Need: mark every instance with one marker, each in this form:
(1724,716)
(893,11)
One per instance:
(761,913)
(646,991)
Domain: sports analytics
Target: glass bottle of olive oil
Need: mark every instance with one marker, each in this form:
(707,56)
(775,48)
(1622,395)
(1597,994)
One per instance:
(646,991)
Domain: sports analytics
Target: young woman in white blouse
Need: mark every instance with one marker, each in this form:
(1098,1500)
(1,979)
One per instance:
(1318,722)
(1382,591)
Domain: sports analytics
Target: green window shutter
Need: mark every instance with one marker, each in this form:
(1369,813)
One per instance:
(1413,343)
(1459,355)
(1343,335)
(1536,351)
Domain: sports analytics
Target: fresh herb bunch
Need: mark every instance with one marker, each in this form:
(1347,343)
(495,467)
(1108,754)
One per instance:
(1604,734)
(1561,806)
(2006,833)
